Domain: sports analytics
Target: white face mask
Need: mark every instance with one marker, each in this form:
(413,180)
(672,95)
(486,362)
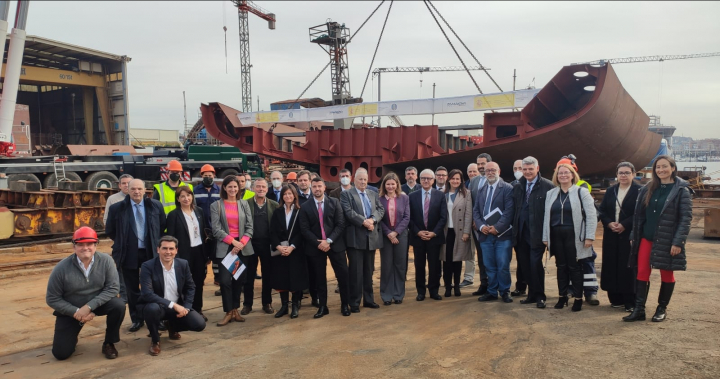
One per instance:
(247,185)
(344,180)
(518,174)
(276,183)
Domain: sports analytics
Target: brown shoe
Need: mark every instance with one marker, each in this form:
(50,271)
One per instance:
(268,309)
(154,348)
(109,351)
(246,309)
(171,333)
(227,319)
(237,316)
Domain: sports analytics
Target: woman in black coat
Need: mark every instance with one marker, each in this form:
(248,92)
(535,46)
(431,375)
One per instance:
(616,213)
(290,267)
(660,228)
(187,224)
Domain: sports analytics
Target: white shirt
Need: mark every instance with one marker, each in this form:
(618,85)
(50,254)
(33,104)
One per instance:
(193,229)
(318,202)
(308,194)
(450,209)
(86,271)
(171,290)
(116,198)
(620,198)
(487,195)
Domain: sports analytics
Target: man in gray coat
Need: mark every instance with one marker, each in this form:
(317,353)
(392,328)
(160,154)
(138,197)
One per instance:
(82,286)
(362,212)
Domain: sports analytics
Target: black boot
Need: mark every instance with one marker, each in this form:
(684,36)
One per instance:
(295,304)
(284,305)
(666,291)
(457,290)
(641,294)
(448,291)
(562,302)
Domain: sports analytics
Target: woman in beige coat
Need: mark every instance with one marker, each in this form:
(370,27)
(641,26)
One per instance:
(458,246)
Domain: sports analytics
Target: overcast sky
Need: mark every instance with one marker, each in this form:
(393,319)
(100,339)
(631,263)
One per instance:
(179,46)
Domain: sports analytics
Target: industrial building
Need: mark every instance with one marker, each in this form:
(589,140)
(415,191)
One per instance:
(71,94)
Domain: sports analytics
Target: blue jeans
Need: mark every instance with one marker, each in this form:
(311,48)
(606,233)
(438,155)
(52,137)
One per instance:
(496,258)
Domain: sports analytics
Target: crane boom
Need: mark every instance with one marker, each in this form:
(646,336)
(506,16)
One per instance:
(245,7)
(650,58)
(378,71)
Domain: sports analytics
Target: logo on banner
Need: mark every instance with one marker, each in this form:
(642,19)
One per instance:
(456,104)
(336,112)
(393,107)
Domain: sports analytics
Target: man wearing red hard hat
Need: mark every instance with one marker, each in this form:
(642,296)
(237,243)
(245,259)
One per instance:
(81,287)
(205,194)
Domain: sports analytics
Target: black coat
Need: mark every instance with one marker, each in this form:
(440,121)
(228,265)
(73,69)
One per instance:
(333,223)
(437,217)
(152,284)
(672,230)
(177,227)
(289,273)
(120,227)
(536,209)
(615,275)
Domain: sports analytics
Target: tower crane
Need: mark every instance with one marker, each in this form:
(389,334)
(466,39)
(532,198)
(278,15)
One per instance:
(650,58)
(244,7)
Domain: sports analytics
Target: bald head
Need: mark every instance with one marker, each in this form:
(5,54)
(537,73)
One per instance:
(136,189)
(472,170)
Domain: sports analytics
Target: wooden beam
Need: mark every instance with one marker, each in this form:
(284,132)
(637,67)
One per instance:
(48,76)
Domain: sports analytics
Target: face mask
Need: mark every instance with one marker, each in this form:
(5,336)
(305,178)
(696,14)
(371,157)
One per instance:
(208,181)
(247,185)
(345,180)
(518,174)
(276,183)
(175,177)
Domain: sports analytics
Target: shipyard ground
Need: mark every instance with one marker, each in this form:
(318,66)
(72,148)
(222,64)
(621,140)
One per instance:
(455,337)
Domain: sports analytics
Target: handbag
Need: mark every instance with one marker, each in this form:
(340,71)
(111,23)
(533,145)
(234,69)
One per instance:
(276,252)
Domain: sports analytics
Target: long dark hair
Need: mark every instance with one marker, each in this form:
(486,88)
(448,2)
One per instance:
(226,181)
(461,189)
(655,182)
(296,203)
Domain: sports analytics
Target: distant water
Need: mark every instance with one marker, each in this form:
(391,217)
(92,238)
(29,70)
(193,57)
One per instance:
(712,168)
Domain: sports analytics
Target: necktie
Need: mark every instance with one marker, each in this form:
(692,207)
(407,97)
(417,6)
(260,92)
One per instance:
(139,223)
(320,216)
(426,207)
(366,204)
(488,201)
(527,193)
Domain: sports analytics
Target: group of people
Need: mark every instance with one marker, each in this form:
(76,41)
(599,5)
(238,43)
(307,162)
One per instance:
(292,228)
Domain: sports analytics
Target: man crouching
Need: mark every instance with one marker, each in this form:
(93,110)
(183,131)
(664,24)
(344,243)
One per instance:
(82,286)
(165,284)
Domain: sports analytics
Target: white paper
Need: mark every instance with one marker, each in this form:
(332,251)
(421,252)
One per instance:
(233,264)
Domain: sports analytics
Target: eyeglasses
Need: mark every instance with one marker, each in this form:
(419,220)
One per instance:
(491,170)
(624,173)
(426,178)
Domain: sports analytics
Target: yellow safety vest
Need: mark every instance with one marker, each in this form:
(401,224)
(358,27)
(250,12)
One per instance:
(167,195)
(248,195)
(582,183)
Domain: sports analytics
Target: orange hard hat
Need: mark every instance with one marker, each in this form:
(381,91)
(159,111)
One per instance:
(174,166)
(85,234)
(291,176)
(206,168)
(567,161)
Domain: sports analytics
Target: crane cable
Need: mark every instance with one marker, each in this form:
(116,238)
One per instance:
(376,49)
(225,30)
(466,48)
(452,46)
(346,43)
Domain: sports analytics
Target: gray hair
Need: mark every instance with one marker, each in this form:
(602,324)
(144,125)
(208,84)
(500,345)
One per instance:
(361,171)
(125,176)
(470,165)
(428,171)
(530,160)
(626,164)
(277,172)
(411,168)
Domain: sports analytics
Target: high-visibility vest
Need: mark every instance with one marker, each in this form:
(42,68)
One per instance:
(582,183)
(248,194)
(167,195)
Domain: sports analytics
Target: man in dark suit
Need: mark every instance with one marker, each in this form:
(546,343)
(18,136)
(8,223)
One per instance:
(411,184)
(140,219)
(167,293)
(441,174)
(322,225)
(529,197)
(276,181)
(428,215)
(304,195)
(495,237)
(362,211)
(476,184)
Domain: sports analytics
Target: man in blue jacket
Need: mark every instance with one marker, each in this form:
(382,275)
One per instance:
(494,232)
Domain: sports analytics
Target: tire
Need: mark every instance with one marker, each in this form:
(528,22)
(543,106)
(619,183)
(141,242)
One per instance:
(51,179)
(228,172)
(18,177)
(101,179)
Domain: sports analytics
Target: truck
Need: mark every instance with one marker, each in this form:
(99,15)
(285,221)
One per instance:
(102,171)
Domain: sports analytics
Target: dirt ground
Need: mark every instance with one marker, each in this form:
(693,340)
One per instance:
(455,337)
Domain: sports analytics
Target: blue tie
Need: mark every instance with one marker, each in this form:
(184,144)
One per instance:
(140,225)
(366,204)
(488,201)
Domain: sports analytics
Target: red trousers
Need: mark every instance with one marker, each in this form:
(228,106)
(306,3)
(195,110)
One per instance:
(666,276)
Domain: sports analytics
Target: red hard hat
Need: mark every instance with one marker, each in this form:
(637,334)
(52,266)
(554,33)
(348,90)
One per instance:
(567,161)
(206,168)
(85,234)
(292,176)
(174,166)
